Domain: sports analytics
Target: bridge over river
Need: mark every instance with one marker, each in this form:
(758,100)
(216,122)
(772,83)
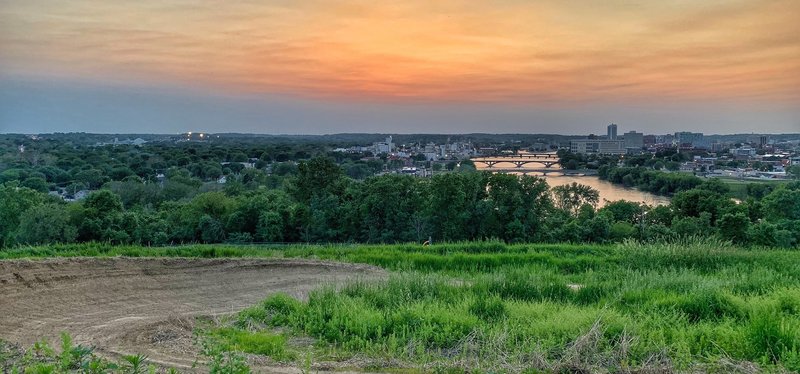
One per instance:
(519,162)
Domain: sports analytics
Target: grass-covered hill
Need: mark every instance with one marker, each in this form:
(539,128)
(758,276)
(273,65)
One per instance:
(491,307)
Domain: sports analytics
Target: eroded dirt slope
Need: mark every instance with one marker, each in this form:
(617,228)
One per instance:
(135,305)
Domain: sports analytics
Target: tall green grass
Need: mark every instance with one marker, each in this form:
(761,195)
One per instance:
(491,306)
(523,312)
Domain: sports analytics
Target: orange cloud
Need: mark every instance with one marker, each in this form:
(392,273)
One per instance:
(452,50)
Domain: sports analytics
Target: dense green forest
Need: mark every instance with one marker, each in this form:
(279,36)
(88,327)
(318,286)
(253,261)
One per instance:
(320,204)
(301,192)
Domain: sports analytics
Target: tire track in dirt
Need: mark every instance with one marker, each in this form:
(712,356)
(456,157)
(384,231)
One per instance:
(147,305)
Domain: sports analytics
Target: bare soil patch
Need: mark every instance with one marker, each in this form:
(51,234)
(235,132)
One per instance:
(147,305)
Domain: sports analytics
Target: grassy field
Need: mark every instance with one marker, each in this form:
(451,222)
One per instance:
(492,307)
(738,187)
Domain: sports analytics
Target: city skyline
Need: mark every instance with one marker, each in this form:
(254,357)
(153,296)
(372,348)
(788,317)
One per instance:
(451,67)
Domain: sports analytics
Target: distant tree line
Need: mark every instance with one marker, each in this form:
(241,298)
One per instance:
(70,163)
(643,178)
(318,202)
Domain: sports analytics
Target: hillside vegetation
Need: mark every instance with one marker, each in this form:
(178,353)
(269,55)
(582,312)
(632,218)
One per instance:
(488,306)
(319,203)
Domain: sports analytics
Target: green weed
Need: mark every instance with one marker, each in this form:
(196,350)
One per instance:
(260,342)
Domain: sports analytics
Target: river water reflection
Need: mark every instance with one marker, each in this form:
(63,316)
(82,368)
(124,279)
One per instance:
(608,191)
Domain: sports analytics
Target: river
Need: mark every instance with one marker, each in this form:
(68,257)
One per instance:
(608,191)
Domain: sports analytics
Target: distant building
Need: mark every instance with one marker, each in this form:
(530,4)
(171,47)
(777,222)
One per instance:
(78,195)
(612,132)
(664,139)
(385,147)
(634,140)
(649,140)
(539,146)
(686,139)
(743,152)
(597,146)
(137,142)
(245,165)
(487,151)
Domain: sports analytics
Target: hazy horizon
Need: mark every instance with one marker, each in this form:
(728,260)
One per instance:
(279,67)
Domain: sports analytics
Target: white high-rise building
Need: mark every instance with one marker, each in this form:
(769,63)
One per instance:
(385,147)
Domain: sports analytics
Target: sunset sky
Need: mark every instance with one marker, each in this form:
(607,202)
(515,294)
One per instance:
(445,66)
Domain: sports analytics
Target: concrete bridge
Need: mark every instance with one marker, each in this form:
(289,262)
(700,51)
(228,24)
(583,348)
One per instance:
(524,171)
(519,160)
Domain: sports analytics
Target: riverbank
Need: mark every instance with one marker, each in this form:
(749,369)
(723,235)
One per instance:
(585,172)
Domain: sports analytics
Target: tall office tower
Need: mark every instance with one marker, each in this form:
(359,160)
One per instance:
(612,132)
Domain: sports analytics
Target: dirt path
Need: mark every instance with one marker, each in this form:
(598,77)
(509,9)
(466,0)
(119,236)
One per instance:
(131,305)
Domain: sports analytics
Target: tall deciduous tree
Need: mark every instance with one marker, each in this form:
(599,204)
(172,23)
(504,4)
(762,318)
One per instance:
(46,224)
(570,197)
(387,207)
(734,227)
(317,176)
(783,203)
(13,201)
